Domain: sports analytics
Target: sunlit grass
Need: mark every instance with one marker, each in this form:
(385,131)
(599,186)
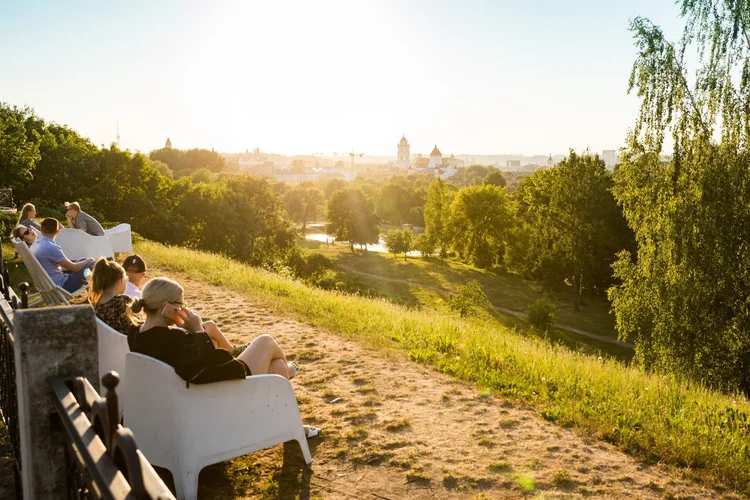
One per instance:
(504,289)
(657,418)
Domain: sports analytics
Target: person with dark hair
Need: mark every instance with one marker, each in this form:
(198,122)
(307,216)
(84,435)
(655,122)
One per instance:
(136,271)
(107,295)
(27,234)
(82,220)
(64,273)
(28,212)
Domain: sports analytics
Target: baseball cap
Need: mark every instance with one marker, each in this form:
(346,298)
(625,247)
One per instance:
(134,263)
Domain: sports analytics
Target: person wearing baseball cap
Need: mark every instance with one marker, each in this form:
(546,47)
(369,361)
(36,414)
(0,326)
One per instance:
(135,268)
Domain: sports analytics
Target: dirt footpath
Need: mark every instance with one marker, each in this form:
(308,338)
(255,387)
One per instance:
(396,430)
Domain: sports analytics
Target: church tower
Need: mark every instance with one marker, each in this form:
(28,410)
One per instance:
(436,158)
(404,155)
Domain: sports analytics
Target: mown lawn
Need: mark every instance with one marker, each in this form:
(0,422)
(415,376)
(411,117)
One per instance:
(657,418)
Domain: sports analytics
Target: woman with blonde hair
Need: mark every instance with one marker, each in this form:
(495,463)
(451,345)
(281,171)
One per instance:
(107,295)
(198,350)
(28,213)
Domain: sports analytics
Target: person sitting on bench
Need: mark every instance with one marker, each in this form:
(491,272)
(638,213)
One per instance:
(27,234)
(28,212)
(82,220)
(107,295)
(198,351)
(64,273)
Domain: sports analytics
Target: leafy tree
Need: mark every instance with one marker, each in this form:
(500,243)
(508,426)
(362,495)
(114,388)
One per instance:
(394,241)
(19,151)
(424,245)
(480,221)
(185,162)
(684,296)
(394,203)
(162,167)
(574,226)
(470,296)
(333,185)
(495,177)
(351,217)
(437,214)
(302,202)
(399,241)
(203,175)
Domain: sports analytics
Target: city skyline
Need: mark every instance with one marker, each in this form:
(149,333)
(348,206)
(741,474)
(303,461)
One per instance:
(294,78)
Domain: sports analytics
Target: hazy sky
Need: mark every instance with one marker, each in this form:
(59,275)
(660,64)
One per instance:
(476,77)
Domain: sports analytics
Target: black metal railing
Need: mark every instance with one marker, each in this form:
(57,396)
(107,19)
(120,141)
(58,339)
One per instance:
(9,302)
(102,458)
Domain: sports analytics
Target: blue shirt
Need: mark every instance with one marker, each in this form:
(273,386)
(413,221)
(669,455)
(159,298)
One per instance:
(49,254)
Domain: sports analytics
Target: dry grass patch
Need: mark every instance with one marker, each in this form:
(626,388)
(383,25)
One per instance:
(367,389)
(500,466)
(356,434)
(417,477)
(398,425)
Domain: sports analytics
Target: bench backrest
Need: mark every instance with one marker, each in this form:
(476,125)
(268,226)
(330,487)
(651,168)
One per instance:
(113,346)
(77,244)
(121,238)
(42,281)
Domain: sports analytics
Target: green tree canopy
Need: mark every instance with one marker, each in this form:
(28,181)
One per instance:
(303,202)
(351,217)
(574,227)
(480,221)
(19,147)
(684,295)
(437,211)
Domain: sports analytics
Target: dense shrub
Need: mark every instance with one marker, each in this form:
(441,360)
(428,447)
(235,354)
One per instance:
(471,295)
(7,223)
(542,313)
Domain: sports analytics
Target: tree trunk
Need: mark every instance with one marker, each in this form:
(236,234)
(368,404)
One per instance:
(577,287)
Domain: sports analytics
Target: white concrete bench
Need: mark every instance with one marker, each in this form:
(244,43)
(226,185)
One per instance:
(47,291)
(121,238)
(184,429)
(77,244)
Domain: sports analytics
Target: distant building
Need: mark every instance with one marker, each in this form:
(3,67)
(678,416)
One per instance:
(436,158)
(513,163)
(167,145)
(610,158)
(404,156)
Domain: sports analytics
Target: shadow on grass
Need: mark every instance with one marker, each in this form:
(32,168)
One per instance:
(569,339)
(257,475)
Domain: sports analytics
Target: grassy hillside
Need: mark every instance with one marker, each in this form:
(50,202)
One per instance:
(654,417)
(505,290)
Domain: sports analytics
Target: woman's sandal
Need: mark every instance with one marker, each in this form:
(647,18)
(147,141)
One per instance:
(293,369)
(311,432)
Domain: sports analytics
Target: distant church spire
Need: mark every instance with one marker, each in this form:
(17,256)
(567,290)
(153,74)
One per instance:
(168,144)
(118,134)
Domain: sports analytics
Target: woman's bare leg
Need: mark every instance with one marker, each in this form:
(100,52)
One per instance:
(217,337)
(261,353)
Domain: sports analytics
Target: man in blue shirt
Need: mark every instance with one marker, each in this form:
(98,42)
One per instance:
(64,273)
